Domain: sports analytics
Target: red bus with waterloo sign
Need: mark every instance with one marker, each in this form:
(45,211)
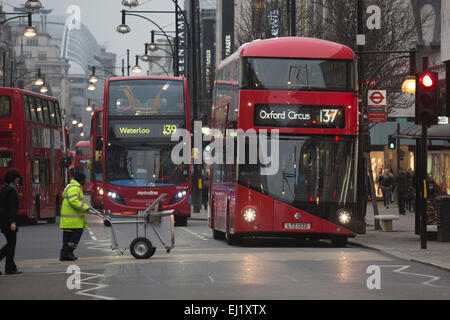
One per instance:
(140,115)
(305,90)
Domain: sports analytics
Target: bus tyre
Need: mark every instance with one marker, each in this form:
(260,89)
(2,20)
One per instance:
(141,248)
(232,239)
(218,235)
(340,242)
(106,223)
(181,221)
(51,220)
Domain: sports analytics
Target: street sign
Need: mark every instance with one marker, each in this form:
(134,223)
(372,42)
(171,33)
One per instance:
(371,83)
(376,105)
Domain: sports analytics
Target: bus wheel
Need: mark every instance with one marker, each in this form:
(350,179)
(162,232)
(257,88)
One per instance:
(232,239)
(181,221)
(218,235)
(340,242)
(141,248)
(51,220)
(106,223)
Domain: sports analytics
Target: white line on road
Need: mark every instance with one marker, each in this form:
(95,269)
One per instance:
(96,286)
(211,279)
(400,269)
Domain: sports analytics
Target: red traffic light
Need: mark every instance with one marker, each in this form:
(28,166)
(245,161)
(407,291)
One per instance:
(427,80)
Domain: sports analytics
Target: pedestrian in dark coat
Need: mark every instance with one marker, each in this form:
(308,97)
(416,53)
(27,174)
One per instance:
(9,209)
(386,182)
(401,184)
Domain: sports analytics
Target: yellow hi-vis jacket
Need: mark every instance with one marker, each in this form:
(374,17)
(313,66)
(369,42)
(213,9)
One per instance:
(73,208)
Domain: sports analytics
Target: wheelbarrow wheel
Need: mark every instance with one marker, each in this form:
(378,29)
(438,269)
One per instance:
(141,248)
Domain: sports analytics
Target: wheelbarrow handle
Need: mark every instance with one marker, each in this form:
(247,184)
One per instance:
(154,204)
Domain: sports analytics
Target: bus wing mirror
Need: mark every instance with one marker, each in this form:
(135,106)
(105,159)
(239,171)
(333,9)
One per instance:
(89,165)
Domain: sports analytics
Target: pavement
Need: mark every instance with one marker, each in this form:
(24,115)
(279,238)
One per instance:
(402,243)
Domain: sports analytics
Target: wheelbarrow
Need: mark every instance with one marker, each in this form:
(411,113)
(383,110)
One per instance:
(142,233)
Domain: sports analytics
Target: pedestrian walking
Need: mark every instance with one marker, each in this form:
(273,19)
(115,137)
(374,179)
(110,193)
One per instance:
(9,209)
(205,190)
(386,182)
(411,191)
(73,222)
(401,185)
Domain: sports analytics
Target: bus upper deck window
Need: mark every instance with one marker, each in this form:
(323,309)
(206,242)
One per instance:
(5,106)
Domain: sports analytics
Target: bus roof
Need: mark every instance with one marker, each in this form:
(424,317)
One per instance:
(9,90)
(84,144)
(146,78)
(292,47)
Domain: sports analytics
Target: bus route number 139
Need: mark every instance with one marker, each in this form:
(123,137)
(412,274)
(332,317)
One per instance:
(169,129)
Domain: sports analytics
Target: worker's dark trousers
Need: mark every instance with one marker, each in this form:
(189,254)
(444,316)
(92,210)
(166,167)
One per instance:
(71,238)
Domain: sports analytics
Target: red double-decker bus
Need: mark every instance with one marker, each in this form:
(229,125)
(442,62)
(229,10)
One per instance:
(299,94)
(82,160)
(32,141)
(140,116)
(97,159)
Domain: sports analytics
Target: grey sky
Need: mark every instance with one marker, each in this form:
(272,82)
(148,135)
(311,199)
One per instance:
(103,16)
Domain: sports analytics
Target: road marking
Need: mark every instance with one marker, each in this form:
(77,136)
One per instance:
(95,286)
(100,245)
(198,236)
(401,268)
(211,279)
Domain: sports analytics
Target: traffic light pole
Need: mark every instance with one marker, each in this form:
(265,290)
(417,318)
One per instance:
(423,189)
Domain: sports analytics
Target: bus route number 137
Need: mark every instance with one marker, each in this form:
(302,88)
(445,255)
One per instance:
(328,115)
(169,129)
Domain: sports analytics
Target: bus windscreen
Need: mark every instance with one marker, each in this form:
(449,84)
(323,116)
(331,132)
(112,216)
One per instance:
(144,166)
(145,97)
(312,169)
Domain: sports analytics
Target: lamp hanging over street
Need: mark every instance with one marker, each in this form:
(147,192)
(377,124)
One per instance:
(137,68)
(93,78)
(91,86)
(409,85)
(123,28)
(152,46)
(130,3)
(29,31)
(44,88)
(33,5)
(39,80)
(146,57)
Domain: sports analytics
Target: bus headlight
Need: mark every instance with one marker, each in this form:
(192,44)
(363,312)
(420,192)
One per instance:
(114,196)
(249,215)
(177,197)
(344,216)
(100,190)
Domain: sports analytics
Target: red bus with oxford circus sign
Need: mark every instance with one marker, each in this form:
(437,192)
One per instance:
(300,94)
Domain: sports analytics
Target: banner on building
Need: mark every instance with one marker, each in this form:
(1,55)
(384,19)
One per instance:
(181,47)
(227,28)
(208,53)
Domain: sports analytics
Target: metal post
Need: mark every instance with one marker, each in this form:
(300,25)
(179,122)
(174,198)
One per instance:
(422,186)
(128,62)
(123,67)
(293,18)
(398,149)
(364,136)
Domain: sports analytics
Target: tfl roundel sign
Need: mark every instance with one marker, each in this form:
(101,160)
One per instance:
(377,98)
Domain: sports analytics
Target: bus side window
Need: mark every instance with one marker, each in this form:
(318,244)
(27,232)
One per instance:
(51,109)
(5,106)
(45,111)
(57,113)
(32,107)
(26,108)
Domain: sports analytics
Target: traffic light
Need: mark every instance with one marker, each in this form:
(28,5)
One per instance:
(427,98)
(392,143)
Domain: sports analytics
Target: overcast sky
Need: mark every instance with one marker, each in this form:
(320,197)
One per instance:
(102,17)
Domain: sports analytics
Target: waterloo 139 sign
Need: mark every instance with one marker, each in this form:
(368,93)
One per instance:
(376,106)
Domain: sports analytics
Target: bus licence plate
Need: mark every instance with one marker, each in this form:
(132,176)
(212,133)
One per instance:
(297,226)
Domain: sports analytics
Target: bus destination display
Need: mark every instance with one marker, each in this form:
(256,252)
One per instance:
(139,130)
(299,116)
